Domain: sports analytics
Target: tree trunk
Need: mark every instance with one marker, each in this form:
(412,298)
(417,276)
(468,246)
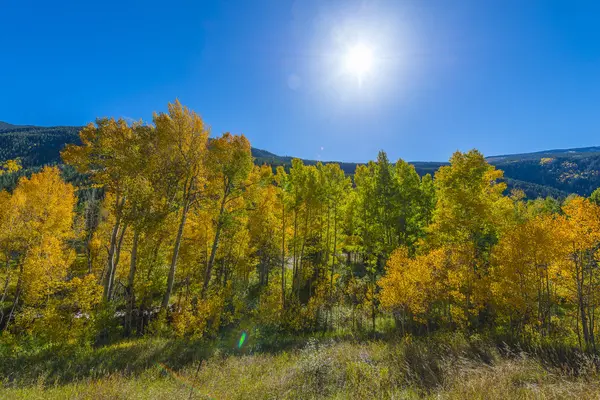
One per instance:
(333,260)
(130,282)
(171,277)
(6,282)
(302,253)
(108,279)
(211,261)
(295,255)
(591,306)
(117,257)
(5,289)
(111,260)
(548,303)
(91,223)
(17,295)
(88,253)
(283,259)
(584,323)
(373,309)
(215,246)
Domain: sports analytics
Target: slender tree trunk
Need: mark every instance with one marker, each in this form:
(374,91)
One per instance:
(295,255)
(111,261)
(327,239)
(302,252)
(581,304)
(373,309)
(108,279)
(591,307)
(283,258)
(333,260)
(215,246)
(548,302)
(171,277)
(5,289)
(211,261)
(91,222)
(130,282)
(6,282)
(88,254)
(117,257)
(17,296)
(144,303)
(578,331)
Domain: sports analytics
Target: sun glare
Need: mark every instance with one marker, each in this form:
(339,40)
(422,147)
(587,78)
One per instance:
(359,60)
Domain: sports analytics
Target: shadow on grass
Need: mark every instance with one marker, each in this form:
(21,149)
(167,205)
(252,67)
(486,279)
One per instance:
(58,365)
(31,365)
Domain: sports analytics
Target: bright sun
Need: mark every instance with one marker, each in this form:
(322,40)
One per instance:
(359,60)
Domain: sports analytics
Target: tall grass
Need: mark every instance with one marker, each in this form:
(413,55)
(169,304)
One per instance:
(448,366)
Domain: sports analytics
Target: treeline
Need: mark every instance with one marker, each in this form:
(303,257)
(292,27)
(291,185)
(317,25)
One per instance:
(555,173)
(176,234)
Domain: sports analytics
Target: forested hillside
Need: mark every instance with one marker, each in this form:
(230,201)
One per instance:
(35,146)
(555,173)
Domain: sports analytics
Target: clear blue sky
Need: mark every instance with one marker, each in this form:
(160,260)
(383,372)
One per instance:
(502,76)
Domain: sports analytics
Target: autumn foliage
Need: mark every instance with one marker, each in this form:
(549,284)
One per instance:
(175,233)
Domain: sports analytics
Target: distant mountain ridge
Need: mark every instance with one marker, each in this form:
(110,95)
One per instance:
(578,151)
(556,173)
(6,126)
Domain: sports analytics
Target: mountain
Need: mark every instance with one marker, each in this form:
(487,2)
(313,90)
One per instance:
(571,171)
(6,126)
(35,146)
(555,173)
(572,153)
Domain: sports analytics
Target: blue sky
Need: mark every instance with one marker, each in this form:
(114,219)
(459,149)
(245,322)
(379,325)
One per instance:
(502,76)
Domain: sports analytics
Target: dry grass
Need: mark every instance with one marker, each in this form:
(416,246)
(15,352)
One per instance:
(343,370)
(517,379)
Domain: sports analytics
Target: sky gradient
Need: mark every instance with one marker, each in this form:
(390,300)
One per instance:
(502,76)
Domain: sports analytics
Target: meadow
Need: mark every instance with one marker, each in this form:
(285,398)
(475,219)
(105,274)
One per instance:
(438,367)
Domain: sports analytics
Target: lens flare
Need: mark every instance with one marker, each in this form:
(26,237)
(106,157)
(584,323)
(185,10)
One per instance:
(242,340)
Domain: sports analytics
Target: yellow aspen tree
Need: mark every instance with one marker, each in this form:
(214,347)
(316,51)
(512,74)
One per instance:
(406,282)
(44,206)
(523,275)
(106,154)
(229,165)
(180,154)
(581,230)
(465,221)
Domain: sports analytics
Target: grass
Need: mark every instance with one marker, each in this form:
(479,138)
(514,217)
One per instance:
(448,367)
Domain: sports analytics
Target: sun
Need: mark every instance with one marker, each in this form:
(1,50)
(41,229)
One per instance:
(359,60)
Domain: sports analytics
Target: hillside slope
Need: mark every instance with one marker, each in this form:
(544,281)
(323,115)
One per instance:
(554,173)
